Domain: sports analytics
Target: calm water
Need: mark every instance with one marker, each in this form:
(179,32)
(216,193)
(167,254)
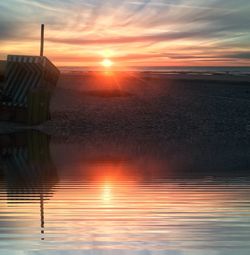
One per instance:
(112,196)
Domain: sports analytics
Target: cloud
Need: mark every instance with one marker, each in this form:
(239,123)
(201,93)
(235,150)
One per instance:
(7,29)
(165,4)
(240,55)
(131,28)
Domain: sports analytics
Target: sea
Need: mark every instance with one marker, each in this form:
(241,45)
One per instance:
(231,70)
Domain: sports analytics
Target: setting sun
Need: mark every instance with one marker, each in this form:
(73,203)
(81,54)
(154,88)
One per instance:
(107,62)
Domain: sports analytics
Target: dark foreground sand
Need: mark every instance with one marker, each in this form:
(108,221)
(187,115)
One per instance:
(167,107)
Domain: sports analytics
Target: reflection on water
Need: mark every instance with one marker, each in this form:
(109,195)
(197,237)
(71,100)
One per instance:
(109,197)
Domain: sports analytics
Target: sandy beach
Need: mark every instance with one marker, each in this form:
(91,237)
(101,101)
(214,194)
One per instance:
(166,106)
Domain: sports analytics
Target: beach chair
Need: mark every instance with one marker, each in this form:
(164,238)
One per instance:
(29,82)
(2,71)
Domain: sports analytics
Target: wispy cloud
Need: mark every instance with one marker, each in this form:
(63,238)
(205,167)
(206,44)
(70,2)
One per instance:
(191,6)
(164,32)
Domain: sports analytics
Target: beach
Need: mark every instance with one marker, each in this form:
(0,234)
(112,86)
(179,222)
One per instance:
(179,106)
(166,106)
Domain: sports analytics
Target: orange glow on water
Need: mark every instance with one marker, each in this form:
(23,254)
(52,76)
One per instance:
(113,201)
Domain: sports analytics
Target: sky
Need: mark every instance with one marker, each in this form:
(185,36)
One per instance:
(129,32)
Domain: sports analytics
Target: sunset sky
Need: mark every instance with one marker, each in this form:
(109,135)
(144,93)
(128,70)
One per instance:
(129,32)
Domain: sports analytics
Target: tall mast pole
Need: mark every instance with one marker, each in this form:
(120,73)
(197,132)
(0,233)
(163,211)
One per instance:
(42,41)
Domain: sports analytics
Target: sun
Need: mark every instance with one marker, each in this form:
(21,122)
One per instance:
(107,63)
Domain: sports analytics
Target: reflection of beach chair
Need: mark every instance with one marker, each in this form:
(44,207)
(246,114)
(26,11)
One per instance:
(27,168)
(26,160)
(27,90)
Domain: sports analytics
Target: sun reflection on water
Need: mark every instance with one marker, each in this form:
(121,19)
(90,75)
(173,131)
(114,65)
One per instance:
(107,192)
(100,199)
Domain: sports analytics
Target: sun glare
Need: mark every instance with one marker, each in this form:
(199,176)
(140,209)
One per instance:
(107,62)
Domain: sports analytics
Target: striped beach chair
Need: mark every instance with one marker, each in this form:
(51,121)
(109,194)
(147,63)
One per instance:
(26,92)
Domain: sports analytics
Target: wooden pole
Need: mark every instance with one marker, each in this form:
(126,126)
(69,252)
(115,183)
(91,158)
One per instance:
(38,109)
(42,40)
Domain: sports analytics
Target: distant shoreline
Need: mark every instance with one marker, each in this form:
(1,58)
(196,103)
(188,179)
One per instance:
(191,73)
(233,70)
(206,76)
